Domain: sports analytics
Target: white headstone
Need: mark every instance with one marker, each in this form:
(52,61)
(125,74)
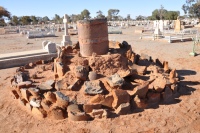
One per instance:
(66,38)
(51,47)
(161,25)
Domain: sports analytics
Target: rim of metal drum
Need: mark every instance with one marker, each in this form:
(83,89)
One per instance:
(92,21)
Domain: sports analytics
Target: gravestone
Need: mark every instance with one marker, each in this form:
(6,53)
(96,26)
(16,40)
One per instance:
(157,30)
(161,25)
(177,27)
(66,38)
(155,23)
(50,47)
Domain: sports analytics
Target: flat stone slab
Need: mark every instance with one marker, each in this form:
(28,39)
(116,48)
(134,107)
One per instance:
(93,87)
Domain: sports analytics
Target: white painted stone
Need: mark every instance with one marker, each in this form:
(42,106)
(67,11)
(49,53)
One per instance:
(51,47)
(66,38)
(161,25)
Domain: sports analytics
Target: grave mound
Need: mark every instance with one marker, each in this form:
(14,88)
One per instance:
(99,86)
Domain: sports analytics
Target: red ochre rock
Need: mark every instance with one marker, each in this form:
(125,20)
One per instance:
(139,103)
(120,96)
(89,107)
(50,96)
(123,109)
(56,113)
(38,112)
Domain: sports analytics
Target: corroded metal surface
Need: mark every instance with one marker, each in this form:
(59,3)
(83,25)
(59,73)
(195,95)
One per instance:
(93,36)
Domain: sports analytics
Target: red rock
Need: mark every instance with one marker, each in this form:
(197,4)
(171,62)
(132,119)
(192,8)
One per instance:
(174,88)
(25,84)
(38,112)
(108,101)
(139,103)
(89,107)
(25,93)
(62,100)
(99,113)
(61,85)
(56,113)
(34,91)
(142,89)
(76,85)
(173,74)
(60,70)
(141,70)
(173,80)
(50,96)
(123,109)
(125,73)
(159,84)
(97,98)
(166,67)
(120,96)
(78,116)
(46,104)
(153,97)
(73,108)
(39,62)
(167,95)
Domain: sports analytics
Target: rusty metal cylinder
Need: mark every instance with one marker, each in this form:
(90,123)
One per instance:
(93,37)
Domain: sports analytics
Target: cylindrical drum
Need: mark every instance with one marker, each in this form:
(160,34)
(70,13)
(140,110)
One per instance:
(93,36)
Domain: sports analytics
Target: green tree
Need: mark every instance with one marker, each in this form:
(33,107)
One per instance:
(140,17)
(128,17)
(15,20)
(192,8)
(34,20)
(112,14)
(158,14)
(74,17)
(100,14)
(4,13)
(57,19)
(171,15)
(120,18)
(25,20)
(196,10)
(85,14)
(45,19)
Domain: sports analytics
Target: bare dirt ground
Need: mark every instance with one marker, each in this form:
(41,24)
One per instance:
(181,116)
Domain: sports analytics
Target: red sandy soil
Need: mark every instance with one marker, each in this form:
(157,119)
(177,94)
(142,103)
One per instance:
(181,116)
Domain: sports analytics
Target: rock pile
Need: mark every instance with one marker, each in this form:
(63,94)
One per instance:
(99,86)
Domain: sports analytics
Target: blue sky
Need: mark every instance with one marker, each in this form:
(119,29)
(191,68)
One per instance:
(51,7)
